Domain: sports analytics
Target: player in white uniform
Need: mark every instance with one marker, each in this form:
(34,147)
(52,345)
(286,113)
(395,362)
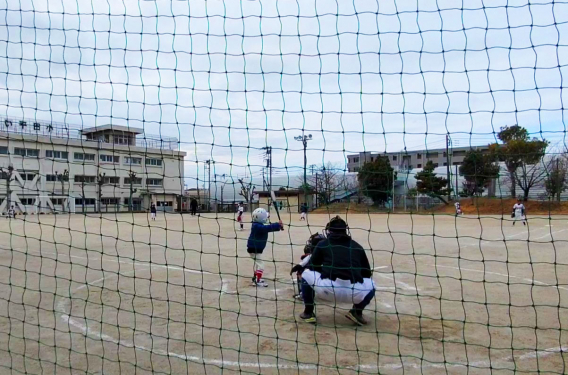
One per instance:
(458,208)
(241,210)
(519,212)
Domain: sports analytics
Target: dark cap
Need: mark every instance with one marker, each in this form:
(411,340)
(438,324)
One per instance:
(336,225)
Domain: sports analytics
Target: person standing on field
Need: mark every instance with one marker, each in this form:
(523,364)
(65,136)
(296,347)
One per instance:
(193,206)
(519,212)
(303,211)
(240,210)
(153,211)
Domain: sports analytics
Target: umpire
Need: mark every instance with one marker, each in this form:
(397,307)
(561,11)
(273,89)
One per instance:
(338,271)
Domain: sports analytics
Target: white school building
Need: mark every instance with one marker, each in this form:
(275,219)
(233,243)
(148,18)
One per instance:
(52,168)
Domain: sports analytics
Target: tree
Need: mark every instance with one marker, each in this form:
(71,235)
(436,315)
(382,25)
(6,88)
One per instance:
(519,151)
(531,170)
(247,191)
(478,171)
(376,179)
(428,183)
(7,174)
(131,190)
(555,182)
(328,180)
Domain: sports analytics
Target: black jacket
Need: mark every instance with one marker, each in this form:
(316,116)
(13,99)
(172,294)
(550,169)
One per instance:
(340,257)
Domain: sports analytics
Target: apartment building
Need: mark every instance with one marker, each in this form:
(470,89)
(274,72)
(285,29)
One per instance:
(48,167)
(406,160)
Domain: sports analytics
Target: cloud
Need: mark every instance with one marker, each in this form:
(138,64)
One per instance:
(228,78)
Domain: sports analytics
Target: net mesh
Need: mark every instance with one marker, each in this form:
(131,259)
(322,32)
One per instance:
(131,131)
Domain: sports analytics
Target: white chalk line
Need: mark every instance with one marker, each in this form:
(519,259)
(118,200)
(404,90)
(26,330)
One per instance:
(403,285)
(503,275)
(83,327)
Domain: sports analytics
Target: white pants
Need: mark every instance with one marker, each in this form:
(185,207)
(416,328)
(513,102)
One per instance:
(303,216)
(153,216)
(258,262)
(342,291)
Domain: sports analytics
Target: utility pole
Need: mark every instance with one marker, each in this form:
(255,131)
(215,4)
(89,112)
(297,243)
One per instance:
(268,156)
(449,178)
(456,174)
(558,180)
(304,139)
(208,166)
(223,176)
(317,201)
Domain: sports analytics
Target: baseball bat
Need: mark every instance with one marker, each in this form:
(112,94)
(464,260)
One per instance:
(275,204)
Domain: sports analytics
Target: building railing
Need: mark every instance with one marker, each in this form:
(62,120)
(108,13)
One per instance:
(26,126)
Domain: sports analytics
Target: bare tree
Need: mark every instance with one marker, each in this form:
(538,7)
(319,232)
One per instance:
(328,180)
(528,176)
(247,191)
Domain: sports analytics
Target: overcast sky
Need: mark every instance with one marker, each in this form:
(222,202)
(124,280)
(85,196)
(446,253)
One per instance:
(228,78)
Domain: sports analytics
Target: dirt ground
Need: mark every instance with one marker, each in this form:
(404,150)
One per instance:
(118,293)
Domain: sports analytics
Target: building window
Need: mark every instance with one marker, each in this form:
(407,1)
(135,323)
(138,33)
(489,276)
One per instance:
(135,181)
(356,169)
(120,140)
(29,152)
(106,201)
(85,202)
(27,201)
(435,165)
(154,182)
(355,160)
(27,176)
(84,157)
(3,150)
(372,159)
(56,154)
(164,203)
(53,177)
(157,162)
(444,154)
(418,156)
(57,201)
(111,180)
(132,160)
(84,179)
(419,165)
(109,158)
(445,164)
(394,158)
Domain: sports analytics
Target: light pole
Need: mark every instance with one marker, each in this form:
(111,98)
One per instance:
(223,176)
(304,139)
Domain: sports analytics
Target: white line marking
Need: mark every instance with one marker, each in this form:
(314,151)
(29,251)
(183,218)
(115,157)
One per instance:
(397,281)
(83,326)
(135,263)
(503,275)
(550,234)
(380,267)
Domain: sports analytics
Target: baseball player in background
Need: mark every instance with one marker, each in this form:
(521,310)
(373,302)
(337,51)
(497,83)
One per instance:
(240,211)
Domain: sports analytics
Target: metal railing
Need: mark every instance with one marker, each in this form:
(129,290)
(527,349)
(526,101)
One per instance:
(26,126)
